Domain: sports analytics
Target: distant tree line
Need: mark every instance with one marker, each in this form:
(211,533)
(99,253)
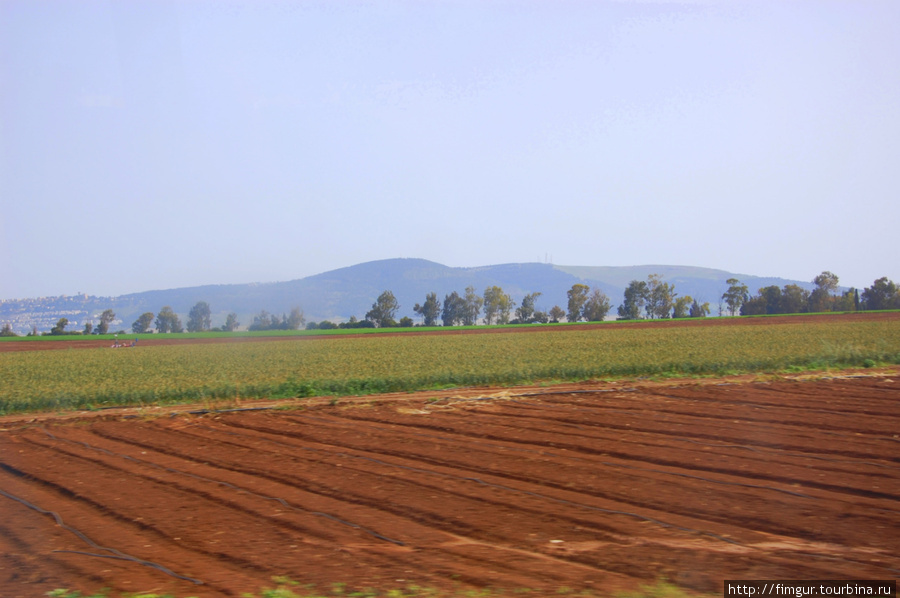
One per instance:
(655,299)
(267,321)
(825,297)
(643,299)
(494,306)
(167,321)
(351,323)
(106,318)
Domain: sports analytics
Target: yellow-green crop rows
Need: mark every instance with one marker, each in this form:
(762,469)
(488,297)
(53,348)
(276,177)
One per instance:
(50,380)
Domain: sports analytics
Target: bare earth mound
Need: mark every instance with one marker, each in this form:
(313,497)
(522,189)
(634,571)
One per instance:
(601,487)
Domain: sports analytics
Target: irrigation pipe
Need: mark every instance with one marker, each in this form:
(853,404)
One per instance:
(116,554)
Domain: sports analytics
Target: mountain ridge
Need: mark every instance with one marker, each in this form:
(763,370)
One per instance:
(338,294)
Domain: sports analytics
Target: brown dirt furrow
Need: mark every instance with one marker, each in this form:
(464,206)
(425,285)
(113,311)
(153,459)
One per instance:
(578,421)
(22,552)
(266,509)
(393,463)
(608,431)
(499,455)
(621,479)
(101,527)
(582,507)
(345,487)
(709,464)
(267,550)
(648,419)
(557,504)
(677,428)
(588,486)
(866,421)
(376,475)
(856,397)
(568,464)
(319,523)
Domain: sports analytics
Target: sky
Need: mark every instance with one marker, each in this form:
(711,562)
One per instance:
(154,144)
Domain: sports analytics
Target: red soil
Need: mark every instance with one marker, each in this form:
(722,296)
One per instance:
(604,487)
(91,343)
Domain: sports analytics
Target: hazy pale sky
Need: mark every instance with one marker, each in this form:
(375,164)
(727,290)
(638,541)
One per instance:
(152,144)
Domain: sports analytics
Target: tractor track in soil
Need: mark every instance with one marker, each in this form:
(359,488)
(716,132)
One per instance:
(590,485)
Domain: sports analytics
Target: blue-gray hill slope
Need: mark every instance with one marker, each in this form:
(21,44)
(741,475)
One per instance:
(337,295)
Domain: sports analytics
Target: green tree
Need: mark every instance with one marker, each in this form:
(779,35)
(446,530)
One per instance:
(754,306)
(525,314)
(473,307)
(168,321)
(491,295)
(883,294)
(454,309)
(848,301)
(682,307)
(60,327)
(556,314)
(106,319)
(772,296)
(231,322)
(496,304)
(827,281)
(199,318)
(578,296)
(406,322)
(772,300)
(736,295)
(88,327)
(596,307)
(264,321)
(383,310)
(637,293)
(295,320)
(794,300)
(7,330)
(506,308)
(821,298)
(699,311)
(142,324)
(430,310)
(660,297)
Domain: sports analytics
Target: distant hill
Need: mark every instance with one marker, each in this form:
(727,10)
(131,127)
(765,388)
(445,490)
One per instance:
(339,294)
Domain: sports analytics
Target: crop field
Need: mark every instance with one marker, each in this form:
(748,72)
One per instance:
(577,488)
(622,476)
(196,370)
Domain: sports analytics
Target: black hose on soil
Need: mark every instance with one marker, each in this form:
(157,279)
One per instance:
(116,554)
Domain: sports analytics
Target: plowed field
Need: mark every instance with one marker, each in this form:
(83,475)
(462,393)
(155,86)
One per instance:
(604,487)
